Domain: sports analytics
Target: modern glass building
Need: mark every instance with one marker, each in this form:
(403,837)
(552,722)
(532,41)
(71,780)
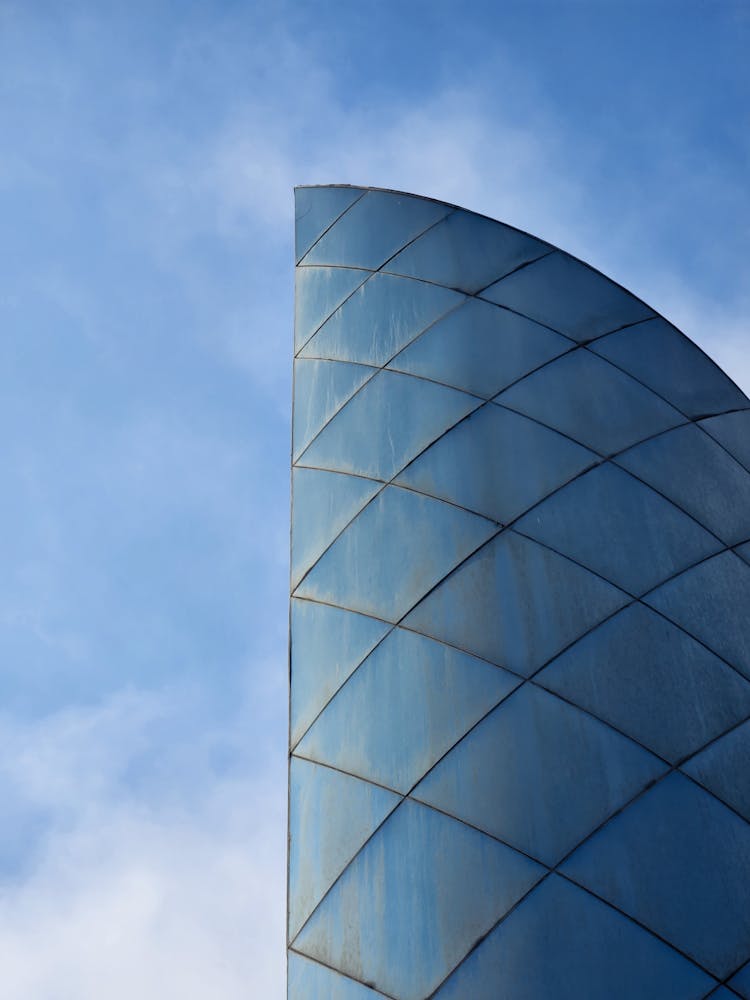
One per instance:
(520,624)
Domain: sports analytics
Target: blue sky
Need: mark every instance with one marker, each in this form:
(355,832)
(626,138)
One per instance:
(147,158)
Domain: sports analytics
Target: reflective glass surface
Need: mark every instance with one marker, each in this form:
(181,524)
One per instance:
(516,603)
(732,430)
(724,768)
(616,526)
(592,402)
(320,389)
(309,980)
(652,681)
(318,291)
(414,901)
(497,463)
(581,772)
(480,348)
(468,252)
(408,703)
(389,421)
(398,548)
(562,943)
(678,861)
(569,297)
(315,209)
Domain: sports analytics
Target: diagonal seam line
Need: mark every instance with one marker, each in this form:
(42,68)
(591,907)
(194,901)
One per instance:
(363,192)
(515,270)
(344,975)
(298,453)
(316,331)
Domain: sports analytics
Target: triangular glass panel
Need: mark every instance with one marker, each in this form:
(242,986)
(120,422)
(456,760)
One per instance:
(423,890)
(467,252)
(408,703)
(563,943)
(310,980)
(376,228)
(318,292)
(398,548)
(592,402)
(315,209)
(539,774)
(516,603)
(678,862)
(722,994)
(732,430)
(724,768)
(743,551)
(656,353)
(331,815)
(740,983)
(386,424)
(711,602)
(569,297)
(320,389)
(693,470)
(379,320)
(480,348)
(619,528)
(323,503)
(497,463)
(651,681)
(327,645)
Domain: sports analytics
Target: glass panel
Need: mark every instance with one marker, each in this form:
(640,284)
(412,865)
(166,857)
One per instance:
(563,944)
(415,900)
(652,681)
(744,552)
(327,644)
(467,252)
(516,603)
(310,981)
(393,553)
(380,318)
(539,774)
(315,208)
(733,431)
(331,815)
(497,463)
(695,472)
(323,503)
(374,229)
(585,397)
(480,348)
(320,389)
(724,768)
(317,292)
(388,422)
(711,601)
(569,297)
(618,527)
(741,982)
(662,357)
(678,861)
(408,703)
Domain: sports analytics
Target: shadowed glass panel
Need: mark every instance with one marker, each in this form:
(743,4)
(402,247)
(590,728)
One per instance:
(374,229)
(539,774)
(568,296)
(724,768)
(309,980)
(563,944)
(733,431)
(679,862)
(691,469)
(320,389)
(516,603)
(620,528)
(741,982)
(407,704)
(652,681)
(331,815)
(379,319)
(314,211)
(393,553)
(722,994)
(318,291)
(662,357)
(711,602)
(480,348)
(327,644)
(743,551)
(414,901)
(323,503)
(468,252)
(588,399)
(497,463)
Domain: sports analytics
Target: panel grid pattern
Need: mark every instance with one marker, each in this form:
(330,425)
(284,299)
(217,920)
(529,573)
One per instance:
(520,651)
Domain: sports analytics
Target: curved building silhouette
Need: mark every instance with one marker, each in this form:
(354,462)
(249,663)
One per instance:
(520,624)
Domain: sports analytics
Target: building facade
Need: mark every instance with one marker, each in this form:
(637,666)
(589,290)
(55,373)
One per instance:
(520,624)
